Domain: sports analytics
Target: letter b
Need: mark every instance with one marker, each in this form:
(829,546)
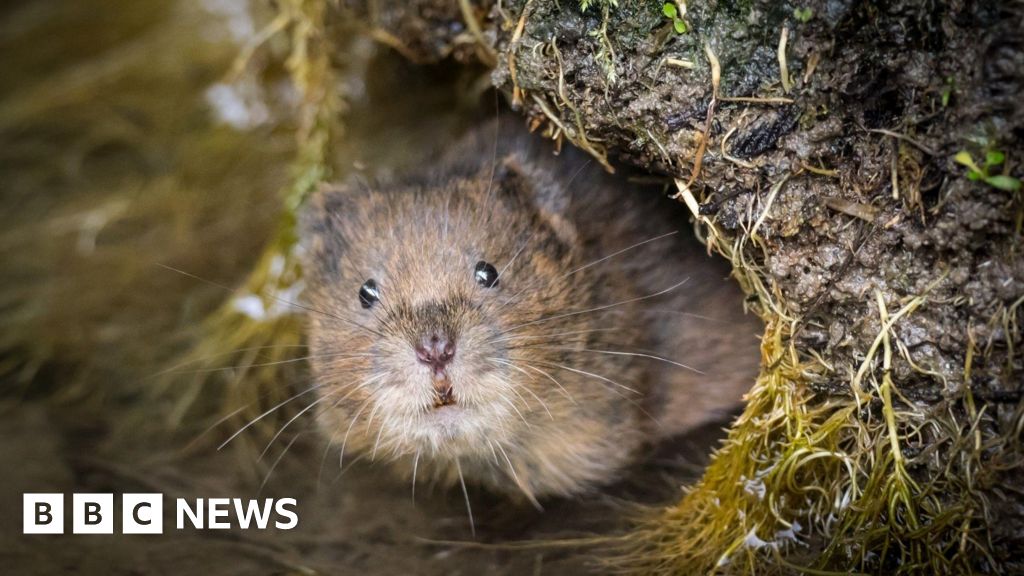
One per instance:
(42,514)
(93,514)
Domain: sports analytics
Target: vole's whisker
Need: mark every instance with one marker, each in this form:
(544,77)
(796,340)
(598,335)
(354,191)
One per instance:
(549,335)
(293,419)
(519,483)
(596,308)
(617,253)
(494,454)
(323,459)
(360,326)
(514,297)
(415,467)
(341,471)
(202,359)
(619,353)
(538,344)
(344,441)
(542,403)
(660,311)
(373,413)
(631,401)
(278,299)
(373,455)
(514,256)
(542,372)
(361,385)
(276,462)
(263,364)
(465,494)
(512,405)
(514,389)
(553,380)
(233,290)
(334,435)
(582,373)
(268,412)
(326,396)
(213,426)
(337,372)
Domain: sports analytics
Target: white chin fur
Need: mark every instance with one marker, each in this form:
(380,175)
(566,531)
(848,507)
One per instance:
(457,430)
(478,418)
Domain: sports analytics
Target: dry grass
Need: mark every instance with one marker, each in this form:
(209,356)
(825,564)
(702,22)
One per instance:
(251,347)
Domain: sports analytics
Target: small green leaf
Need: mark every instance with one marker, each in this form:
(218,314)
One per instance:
(1008,183)
(973,175)
(669,10)
(964,157)
(803,14)
(680,26)
(994,158)
(947,91)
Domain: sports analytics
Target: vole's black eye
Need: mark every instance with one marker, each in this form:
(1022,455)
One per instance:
(369,293)
(485,275)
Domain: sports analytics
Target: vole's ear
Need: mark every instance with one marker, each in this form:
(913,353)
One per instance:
(319,215)
(322,228)
(536,188)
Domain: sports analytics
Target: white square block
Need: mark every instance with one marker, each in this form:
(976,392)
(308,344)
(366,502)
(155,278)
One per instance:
(93,514)
(42,513)
(142,514)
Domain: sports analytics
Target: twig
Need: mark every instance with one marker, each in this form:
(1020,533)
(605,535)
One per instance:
(757,100)
(787,83)
(905,138)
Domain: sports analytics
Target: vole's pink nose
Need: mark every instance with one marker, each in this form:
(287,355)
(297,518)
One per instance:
(436,351)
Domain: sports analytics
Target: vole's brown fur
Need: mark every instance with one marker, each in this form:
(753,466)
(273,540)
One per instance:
(561,371)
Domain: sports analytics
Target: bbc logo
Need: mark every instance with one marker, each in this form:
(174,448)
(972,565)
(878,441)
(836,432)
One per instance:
(92,513)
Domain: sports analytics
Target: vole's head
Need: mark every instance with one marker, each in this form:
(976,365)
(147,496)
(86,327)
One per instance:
(441,310)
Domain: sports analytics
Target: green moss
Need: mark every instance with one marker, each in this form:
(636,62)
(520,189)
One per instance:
(821,484)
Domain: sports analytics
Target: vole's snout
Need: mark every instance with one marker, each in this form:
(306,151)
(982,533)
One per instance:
(436,350)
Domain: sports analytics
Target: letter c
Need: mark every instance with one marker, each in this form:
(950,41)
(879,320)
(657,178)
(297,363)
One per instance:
(138,519)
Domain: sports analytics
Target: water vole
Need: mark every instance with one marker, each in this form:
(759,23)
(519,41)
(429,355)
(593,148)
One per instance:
(516,319)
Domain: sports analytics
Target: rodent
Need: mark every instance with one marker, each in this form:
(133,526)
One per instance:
(516,319)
